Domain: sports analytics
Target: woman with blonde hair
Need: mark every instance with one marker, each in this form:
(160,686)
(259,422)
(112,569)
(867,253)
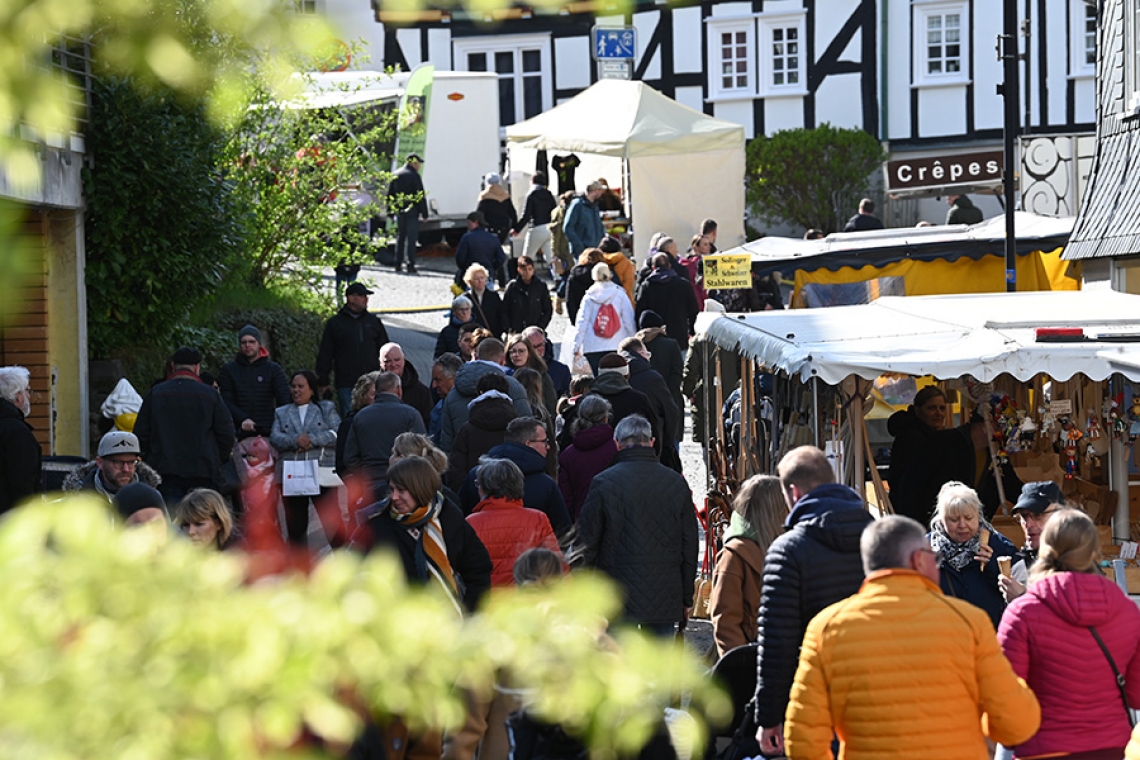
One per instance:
(967,547)
(363,394)
(758,514)
(605,320)
(1070,636)
(487,307)
(205,519)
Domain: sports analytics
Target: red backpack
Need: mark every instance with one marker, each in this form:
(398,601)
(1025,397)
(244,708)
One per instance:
(607,322)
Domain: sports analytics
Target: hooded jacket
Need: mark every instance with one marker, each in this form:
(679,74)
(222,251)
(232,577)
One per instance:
(495,203)
(1045,634)
(665,357)
(540,491)
(671,296)
(508,529)
(253,390)
(814,564)
(485,429)
(626,400)
(638,526)
(913,470)
(20,468)
(644,378)
(455,409)
(82,478)
(350,347)
(735,599)
(592,451)
(964,212)
(415,394)
(585,339)
(900,671)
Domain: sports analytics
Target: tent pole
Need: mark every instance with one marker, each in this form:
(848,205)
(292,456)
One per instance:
(815,409)
(1118,473)
(855,418)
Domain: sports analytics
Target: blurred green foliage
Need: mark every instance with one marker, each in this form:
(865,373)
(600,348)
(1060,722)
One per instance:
(137,644)
(811,178)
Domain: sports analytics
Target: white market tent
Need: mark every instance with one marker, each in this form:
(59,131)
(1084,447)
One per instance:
(683,166)
(984,335)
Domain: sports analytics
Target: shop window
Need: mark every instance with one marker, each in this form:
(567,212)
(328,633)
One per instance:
(523,65)
(941,44)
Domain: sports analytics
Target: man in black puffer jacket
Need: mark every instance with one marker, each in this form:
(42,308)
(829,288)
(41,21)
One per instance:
(253,386)
(639,527)
(350,345)
(813,565)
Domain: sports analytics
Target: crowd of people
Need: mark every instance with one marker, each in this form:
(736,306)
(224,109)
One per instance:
(926,633)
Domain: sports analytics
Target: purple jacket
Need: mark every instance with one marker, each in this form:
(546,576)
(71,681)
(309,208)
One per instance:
(1046,638)
(593,450)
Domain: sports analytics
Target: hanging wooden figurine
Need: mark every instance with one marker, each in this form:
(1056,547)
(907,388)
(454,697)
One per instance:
(1070,438)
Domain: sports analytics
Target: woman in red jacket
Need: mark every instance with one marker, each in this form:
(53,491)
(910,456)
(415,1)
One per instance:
(1050,637)
(503,524)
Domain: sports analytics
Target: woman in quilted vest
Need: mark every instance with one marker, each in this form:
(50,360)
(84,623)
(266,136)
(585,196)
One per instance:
(1060,637)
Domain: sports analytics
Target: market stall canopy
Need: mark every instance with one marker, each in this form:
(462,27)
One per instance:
(984,335)
(881,247)
(683,165)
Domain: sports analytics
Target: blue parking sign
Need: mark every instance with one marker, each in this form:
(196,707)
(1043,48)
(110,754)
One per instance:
(615,43)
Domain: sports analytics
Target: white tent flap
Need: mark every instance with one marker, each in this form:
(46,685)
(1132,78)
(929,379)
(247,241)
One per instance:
(985,335)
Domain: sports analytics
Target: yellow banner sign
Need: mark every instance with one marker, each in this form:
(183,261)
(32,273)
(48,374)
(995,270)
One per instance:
(723,272)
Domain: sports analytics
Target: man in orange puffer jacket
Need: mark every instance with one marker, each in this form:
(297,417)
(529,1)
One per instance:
(900,671)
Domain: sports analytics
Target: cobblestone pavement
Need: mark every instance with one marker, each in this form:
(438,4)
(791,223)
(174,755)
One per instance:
(414,310)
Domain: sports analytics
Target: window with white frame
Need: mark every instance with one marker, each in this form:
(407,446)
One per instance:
(783,67)
(1082,38)
(941,43)
(523,65)
(732,50)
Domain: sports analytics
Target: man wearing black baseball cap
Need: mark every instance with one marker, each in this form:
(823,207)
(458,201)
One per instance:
(1033,508)
(184,429)
(350,345)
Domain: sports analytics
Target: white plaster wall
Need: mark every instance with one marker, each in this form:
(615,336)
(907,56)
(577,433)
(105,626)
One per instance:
(572,62)
(646,24)
(692,97)
(1084,97)
(941,111)
(738,111)
(839,100)
(783,113)
(1057,52)
(829,19)
(732,9)
(988,107)
(894,84)
(409,40)
(687,32)
(356,22)
(439,49)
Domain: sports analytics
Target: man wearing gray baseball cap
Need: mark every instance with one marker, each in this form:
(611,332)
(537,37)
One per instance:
(116,465)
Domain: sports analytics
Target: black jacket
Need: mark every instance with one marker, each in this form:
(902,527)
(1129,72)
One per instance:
(185,430)
(671,296)
(447,342)
(406,181)
(624,401)
(479,246)
(20,475)
(578,282)
(350,347)
(527,304)
(642,377)
(416,394)
(486,427)
(374,430)
(540,491)
(665,357)
(468,556)
(915,466)
(540,204)
(964,212)
(815,564)
(488,311)
(253,390)
(639,527)
(861,222)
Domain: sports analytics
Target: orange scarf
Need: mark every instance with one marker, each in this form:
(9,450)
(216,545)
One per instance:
(424,526)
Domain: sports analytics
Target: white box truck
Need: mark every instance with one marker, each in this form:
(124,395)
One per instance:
(463,142)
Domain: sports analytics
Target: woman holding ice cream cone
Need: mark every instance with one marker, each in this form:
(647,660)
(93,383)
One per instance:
(967,547)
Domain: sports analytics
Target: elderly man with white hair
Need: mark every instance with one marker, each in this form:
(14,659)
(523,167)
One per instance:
(19,449)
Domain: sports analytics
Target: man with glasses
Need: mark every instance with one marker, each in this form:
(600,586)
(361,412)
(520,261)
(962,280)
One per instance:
(1037,502)
(116,465)
(526,443)
(898,664)
(19,450)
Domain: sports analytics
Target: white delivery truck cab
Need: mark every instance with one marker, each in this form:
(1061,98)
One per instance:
(463,142)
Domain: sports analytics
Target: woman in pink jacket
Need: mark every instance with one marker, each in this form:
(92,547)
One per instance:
(1048,636)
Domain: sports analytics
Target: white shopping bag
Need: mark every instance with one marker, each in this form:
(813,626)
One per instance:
(300,477)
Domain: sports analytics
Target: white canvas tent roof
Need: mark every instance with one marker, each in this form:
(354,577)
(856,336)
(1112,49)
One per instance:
(984,335)
(683,165)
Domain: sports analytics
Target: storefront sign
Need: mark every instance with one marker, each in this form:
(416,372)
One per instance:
(938,171)
(723,272)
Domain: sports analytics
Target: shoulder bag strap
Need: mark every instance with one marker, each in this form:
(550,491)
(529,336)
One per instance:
(1115,672)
